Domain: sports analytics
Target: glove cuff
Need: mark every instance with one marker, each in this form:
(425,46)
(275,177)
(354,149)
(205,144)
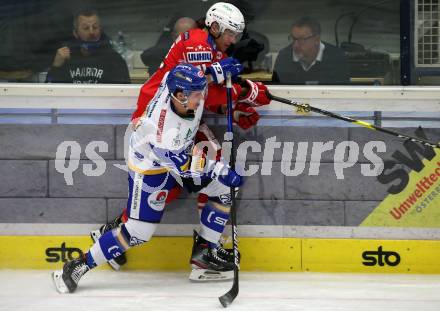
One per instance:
(216,72)
(219,169)
(251,95)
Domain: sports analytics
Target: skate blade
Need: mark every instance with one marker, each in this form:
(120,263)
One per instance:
(60,286)
(95,235)
(205,275)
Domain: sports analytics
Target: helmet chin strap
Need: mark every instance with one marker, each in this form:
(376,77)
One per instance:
(189,112)
(218,30)
(215,37)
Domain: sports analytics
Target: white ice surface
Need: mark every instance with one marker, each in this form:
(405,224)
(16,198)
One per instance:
(109,290)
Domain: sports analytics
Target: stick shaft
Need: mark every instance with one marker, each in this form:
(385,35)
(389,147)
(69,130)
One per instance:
(307,107)
(229,297)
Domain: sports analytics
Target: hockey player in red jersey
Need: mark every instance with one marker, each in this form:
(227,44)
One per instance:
(206,48)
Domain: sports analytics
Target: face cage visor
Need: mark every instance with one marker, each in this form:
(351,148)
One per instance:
(192,96)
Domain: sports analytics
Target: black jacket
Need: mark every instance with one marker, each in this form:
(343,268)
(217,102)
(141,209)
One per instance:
(333,69)
(104,65)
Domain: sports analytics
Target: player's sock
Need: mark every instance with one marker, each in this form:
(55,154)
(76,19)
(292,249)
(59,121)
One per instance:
(213,221)
(226,254)
(109,246)
(120,260)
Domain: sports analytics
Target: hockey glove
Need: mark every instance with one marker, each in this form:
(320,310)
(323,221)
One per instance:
(257,94)
(227,176)
(219,69)
(177,162)
(245,116)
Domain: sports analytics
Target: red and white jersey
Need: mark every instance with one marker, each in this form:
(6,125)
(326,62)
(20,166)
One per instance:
(161,128)
(196,47)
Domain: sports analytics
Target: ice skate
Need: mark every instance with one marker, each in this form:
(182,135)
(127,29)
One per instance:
(66,280)
(206,263)
(116,262)
(226,253)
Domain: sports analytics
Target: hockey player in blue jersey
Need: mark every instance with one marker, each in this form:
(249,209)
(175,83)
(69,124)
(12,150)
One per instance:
(159,158)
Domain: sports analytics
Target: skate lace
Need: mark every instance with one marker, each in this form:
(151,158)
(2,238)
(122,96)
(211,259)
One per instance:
(222,251)
(216,257)
(79,271)
(110,226)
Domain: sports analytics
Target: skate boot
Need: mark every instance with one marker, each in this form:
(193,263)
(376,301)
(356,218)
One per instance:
(66,280)
(206,263)
(116,262)
(226,253)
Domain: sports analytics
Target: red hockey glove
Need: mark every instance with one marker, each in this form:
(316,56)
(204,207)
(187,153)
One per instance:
(245,116)
(257,94)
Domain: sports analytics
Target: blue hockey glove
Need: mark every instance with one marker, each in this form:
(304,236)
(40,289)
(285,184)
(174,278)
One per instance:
(178,162)
(227,176)
(219,69)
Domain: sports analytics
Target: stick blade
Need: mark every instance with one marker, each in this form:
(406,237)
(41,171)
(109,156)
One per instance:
(229,297)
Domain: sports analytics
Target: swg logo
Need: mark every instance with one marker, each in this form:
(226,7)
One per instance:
(417,153)
(217,219)
(114,251)
(63,253)
(380,257)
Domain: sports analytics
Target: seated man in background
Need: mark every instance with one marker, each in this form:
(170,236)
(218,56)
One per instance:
(153,56)
(308,60)
(89,58)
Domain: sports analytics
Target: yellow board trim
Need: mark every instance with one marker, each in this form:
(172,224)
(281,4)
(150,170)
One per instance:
(346,255)
(258,254)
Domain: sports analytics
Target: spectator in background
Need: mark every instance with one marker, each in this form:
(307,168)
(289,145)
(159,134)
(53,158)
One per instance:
(89,58)
(30,33)
(152,57)
(308,60)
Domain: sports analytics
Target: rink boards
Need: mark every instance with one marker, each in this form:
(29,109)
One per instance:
(258,254)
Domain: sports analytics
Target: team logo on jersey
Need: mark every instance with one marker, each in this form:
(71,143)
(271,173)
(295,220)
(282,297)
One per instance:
(157,199)
(188,134)
(197,57)
(177,139)
(138,155)
(219,55)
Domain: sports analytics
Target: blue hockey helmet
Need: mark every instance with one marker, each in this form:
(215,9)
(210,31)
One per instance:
(187,79)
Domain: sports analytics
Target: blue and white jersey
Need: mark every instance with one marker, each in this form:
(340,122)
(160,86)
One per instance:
(160,132)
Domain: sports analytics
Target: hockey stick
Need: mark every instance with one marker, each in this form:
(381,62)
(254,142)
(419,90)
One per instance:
(229,297)
(308,108)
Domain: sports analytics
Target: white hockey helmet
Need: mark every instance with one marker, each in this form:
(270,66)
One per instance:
(226,15)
